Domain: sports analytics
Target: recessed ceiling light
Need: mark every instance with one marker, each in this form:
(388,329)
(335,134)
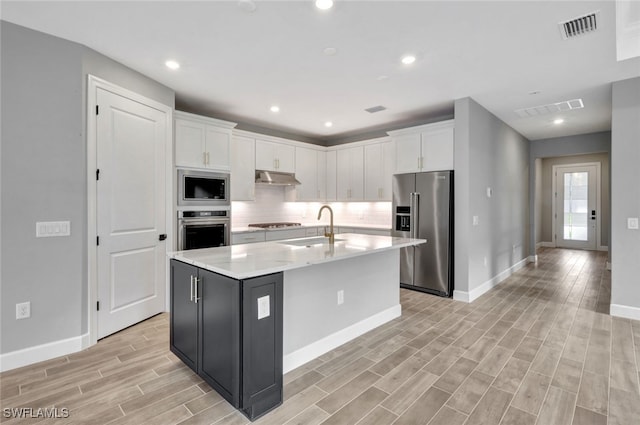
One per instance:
(324,4)
(408,60)
(275,108)
(558,121)
(328,124)
(171,64)
(330,51)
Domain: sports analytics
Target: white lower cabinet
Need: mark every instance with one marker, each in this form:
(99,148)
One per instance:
(278,235)
(238,238)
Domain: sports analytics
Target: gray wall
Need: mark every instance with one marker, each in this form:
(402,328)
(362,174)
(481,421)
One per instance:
(546,199)
(625,196)
(581,144)
(488,153)
(43,178)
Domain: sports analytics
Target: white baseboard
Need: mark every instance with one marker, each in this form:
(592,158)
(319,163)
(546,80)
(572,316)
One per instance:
(546,245)
(471,296)
(39,353)
(328,343)
(533,259)
(603,248)
(625,311)
(608,265)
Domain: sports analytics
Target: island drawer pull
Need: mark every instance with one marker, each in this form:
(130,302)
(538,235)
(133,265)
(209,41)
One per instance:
(191,299)
(196,298)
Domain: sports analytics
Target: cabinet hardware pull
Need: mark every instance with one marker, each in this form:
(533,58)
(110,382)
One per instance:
(208,158)
(191,299)
(204,158)
(418,163)
(196,298)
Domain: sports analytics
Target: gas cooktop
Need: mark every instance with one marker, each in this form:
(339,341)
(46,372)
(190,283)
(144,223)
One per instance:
(274,225)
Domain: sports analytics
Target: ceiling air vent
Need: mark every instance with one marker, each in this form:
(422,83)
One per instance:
(550,108)
(375,109)
(579,26)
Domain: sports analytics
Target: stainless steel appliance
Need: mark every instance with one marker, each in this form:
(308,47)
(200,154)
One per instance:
(423,208)
(203,188)
(203,229)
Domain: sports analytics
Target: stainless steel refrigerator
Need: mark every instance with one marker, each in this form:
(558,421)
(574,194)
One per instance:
(423,208)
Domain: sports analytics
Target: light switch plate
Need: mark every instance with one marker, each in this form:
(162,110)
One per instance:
(632,223)
(476,220)
(263,307)
(47,229)
(489,192)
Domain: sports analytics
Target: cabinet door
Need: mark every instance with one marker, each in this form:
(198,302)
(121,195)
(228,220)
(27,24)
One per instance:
(190,144)
(332,171)
(373,170)
(278,235)
(217,148)
(265,156)
(306,172)
(437,150)
(407,153)
(388,170)
(285,158)
(184,314)
(321,168)
(350,174)
(262,342)
(219,300)
(242,169)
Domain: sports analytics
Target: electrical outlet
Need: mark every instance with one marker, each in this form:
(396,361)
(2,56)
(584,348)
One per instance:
(476,220)
(632,223)
(340,297)
(23,310)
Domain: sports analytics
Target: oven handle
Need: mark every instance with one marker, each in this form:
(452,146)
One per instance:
(203,221)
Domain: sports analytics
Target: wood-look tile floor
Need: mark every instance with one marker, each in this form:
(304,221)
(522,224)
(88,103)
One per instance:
(538,349)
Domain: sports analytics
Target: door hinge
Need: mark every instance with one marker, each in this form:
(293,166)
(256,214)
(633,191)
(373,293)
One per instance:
(98,174)
(97,110)
(98,305)
(162,237)
(97,240)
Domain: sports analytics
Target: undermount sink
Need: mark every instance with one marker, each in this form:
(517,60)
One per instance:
(321,240)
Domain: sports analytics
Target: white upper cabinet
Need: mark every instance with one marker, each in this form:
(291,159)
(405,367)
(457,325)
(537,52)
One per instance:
(331,186)
(424,148)
(311,172)
(202,142)
(379,167)
(350,174)
(273,156)
(242,169)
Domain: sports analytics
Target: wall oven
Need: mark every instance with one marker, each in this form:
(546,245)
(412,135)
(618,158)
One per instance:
(203,188)
(203,229)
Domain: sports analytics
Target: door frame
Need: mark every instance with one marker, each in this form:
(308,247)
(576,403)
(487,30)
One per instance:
(93,84)
(554,212)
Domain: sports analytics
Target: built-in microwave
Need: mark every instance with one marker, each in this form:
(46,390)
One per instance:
(203,188)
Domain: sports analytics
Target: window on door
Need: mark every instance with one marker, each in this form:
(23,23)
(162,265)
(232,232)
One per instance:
(576,199)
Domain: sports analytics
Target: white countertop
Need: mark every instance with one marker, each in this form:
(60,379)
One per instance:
(258,259)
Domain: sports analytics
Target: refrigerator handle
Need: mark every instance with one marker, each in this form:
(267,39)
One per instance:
(415,213)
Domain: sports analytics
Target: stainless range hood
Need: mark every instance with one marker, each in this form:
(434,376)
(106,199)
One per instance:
(275,178)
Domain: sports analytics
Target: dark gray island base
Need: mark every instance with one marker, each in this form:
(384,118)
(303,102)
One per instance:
(230,333)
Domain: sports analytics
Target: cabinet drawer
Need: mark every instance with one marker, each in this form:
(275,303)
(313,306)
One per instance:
(311,231)
(250,237)
(278,235)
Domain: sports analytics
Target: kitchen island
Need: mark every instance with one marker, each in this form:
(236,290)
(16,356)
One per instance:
(278,305)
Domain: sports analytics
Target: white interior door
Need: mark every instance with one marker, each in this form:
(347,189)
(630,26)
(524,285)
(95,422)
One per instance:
(130,211)
(576,207)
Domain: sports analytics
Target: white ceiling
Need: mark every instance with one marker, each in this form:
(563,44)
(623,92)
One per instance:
(235,64)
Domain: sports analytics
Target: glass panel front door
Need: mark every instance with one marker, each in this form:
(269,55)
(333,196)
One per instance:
(576,215)
(576,198)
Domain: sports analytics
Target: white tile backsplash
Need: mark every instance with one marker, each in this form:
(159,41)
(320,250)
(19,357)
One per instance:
(270,205)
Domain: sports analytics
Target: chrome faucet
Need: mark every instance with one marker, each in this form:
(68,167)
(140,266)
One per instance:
(330,235)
